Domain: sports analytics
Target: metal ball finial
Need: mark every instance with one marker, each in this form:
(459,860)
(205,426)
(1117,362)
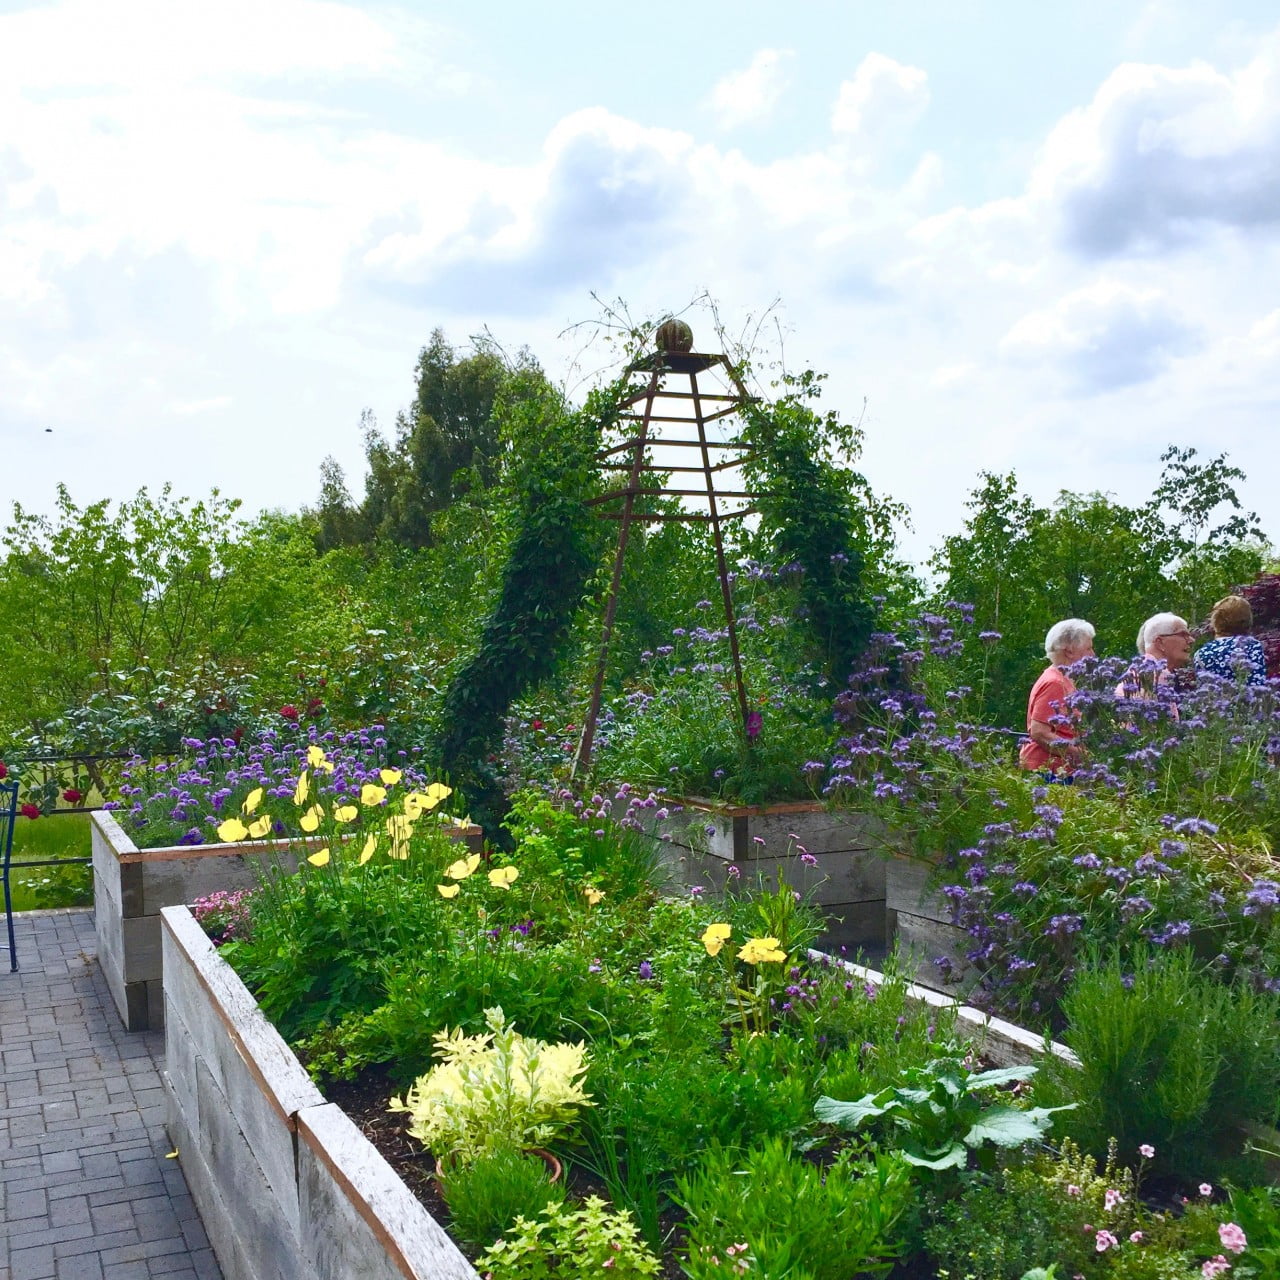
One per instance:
(674,336)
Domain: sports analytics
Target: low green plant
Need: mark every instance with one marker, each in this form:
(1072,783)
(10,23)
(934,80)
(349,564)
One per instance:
(486,1195)
(1172,1057)
(789,1217)
(942,1112)
(494,1088)
(564,1243)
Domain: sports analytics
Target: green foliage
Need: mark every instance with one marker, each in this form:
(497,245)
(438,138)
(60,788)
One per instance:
(486,1195)
(1172,1057)
(1024,567)
(938,1115)
(552,552)
(563,1244)
(818,513)
(42,888)
(794,1218)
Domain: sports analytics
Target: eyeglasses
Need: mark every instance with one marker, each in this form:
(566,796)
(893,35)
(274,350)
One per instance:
(1181,635)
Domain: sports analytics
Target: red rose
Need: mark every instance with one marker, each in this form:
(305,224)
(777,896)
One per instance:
(4,771)
(537,724)
(289,711)
(72,796)
(29,810)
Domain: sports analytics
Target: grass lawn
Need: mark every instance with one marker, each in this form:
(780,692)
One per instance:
(60,836)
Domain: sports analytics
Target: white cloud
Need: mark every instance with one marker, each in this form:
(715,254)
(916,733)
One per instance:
(752,93)
(883,98)
(1161,153)
(1104,336)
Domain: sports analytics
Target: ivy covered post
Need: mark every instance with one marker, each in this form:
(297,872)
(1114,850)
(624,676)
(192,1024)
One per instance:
(668,432)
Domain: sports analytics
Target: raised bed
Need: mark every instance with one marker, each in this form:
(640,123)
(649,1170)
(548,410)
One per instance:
(846,879)
(287,1186)
(131,887)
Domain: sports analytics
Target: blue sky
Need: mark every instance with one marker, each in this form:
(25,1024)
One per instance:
(1027,236)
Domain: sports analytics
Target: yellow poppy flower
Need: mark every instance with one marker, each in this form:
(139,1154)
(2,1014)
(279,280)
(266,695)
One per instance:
(260,826)
(251,801)
(345,812)
(437,791)
(302,790)
(232,830)
(389,776)
(714,936)
(504,877)
(592,894)
(416,804)
(400,826)
(311,819)
(761,951)
(367,852)
(461,869)
(371,794)
(319,859)
(317,759)
(448,890)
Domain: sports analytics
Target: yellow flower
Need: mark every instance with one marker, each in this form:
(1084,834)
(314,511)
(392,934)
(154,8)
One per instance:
(345,812)
(415,804)
(319,859)
(437,791)
(761,951)
(367,852)
(251,801)
(448,890)
(301,791)
(714,937)
(504,877)
(311,819)
(389,776)
(372,794)
(232,830)
(592,894)
(399,826)
(461,869)
(260,826)
(317,759)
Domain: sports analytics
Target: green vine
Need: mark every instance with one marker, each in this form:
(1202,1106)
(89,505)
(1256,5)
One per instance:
(554,550)
(815,513)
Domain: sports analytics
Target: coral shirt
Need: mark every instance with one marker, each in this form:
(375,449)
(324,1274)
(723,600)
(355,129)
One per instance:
(1048,700)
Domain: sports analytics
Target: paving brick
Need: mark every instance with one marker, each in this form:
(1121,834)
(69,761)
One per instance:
(85,1191)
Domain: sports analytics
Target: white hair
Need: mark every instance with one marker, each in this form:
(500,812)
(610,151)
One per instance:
(1159,624)
(1067,634)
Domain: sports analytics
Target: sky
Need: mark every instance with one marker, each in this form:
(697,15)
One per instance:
(1043,238)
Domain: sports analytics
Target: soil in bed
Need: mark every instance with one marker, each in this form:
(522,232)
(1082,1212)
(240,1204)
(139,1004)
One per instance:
(365,1101)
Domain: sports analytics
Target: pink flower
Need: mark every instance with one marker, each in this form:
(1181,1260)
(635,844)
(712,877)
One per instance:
(1073,1190)
(1147,1151)
(1232,1237)
(1206,1189)
(1112,1198)
(1135,1237)
(1104,1241)
(1215,1267)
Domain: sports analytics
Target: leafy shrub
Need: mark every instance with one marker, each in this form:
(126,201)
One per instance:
(1171,1057)
(794,1217)
(564,1244)
(487,1194)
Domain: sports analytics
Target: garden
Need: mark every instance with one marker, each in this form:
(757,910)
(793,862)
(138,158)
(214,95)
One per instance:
(581,1058)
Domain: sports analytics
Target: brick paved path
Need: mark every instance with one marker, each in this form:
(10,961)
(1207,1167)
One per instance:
(85,1190)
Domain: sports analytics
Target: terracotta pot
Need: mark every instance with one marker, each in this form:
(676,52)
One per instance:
(554,1168)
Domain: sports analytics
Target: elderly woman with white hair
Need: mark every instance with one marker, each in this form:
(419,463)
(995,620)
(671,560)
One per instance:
(1051,732)
(1166,640)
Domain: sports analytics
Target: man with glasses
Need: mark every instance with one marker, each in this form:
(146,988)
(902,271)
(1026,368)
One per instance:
(1166,640)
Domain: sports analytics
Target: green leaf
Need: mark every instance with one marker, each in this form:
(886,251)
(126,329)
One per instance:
(1010,1126)
(954,1158)
(1001,1075)
(851,1114)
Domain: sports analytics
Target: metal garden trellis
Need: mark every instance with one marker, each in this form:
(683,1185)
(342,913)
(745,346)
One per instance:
(662,422)
(8,815)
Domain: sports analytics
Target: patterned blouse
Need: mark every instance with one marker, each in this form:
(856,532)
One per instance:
(1229,656)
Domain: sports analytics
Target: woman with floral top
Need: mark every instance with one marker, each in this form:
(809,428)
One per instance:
(1233,653)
